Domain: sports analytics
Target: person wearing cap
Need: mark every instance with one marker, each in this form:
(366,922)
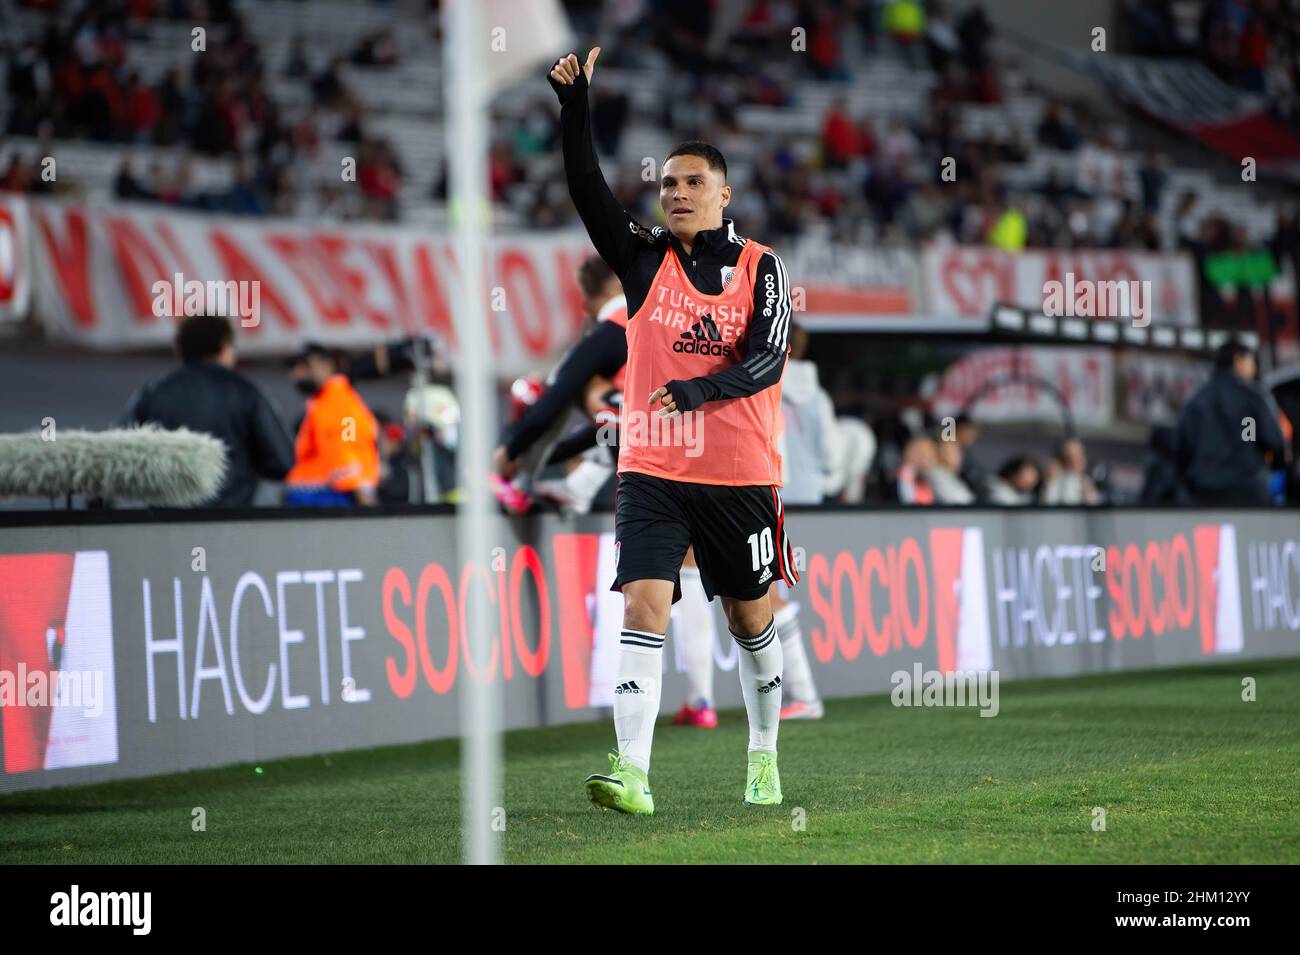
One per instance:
(337,454)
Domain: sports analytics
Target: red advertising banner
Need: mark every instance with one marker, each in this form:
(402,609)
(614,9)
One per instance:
(57,689)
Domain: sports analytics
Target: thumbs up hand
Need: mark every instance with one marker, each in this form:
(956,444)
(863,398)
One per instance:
(567,77)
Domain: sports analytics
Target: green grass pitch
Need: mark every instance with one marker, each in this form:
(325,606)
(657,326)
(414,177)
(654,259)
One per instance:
(1185,770)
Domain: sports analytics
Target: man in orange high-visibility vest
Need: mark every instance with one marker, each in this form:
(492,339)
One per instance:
(336,452)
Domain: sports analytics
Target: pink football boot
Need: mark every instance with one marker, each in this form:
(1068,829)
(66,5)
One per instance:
(704,717)
(512,498)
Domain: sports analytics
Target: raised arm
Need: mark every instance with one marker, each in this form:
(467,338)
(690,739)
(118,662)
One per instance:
(768,345)
(614,233)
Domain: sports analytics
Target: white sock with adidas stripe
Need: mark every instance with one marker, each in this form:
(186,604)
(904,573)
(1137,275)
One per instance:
(636,694)
(760,683)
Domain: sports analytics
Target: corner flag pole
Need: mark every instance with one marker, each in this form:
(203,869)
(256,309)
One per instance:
(480,706)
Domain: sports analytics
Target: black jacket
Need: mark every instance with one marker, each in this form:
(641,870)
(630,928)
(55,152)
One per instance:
(635,254)
(212,399)
(1217,456)
(601,351)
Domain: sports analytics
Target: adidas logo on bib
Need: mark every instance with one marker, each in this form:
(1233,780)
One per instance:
(703,338)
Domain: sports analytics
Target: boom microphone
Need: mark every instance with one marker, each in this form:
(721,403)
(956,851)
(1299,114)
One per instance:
(147,464)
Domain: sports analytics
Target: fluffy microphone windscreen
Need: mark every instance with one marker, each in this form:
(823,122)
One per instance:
(148,464)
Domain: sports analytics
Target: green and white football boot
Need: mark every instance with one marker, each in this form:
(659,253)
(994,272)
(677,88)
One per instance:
(624,789)
(763,784)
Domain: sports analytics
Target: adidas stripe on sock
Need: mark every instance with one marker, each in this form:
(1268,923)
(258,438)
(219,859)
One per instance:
(760,684)
(636,693)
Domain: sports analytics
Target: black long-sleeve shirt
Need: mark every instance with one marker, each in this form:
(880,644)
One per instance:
(211,399)
(1224,431)
(635,254)
(602,351)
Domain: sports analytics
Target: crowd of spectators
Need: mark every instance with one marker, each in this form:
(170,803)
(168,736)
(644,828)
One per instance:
(1227,443)
(938,467)
(1251,44)
(76,81)
(862,178)
(870,178)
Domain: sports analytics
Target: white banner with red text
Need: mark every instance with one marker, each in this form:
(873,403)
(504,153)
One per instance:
(97,272)
(117,276)
(1029,383)
(15,273)
(964,282)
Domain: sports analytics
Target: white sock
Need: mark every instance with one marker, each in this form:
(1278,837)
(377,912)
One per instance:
(760,683)
(797,676)
(636,693)
(694,632)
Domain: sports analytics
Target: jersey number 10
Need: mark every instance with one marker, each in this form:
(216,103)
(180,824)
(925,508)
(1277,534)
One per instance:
(760,547)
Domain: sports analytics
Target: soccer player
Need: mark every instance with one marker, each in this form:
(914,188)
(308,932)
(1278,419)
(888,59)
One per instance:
(592,373)
(709,317)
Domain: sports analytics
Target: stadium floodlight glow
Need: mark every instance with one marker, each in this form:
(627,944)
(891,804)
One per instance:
(1074,328)
(1164,337)
(1105,331)
(1004,316)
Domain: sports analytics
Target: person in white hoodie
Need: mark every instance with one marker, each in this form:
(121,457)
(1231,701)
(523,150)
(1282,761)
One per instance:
(810,449)
(809,444)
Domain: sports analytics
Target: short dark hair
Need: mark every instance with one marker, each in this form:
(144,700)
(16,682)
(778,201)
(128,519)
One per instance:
(200,337)
(593,275)
(1228,352)
(705,151)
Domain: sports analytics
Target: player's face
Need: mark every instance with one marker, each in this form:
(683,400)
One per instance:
(692,196)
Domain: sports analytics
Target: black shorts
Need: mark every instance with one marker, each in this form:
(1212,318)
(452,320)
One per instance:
(738,534)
